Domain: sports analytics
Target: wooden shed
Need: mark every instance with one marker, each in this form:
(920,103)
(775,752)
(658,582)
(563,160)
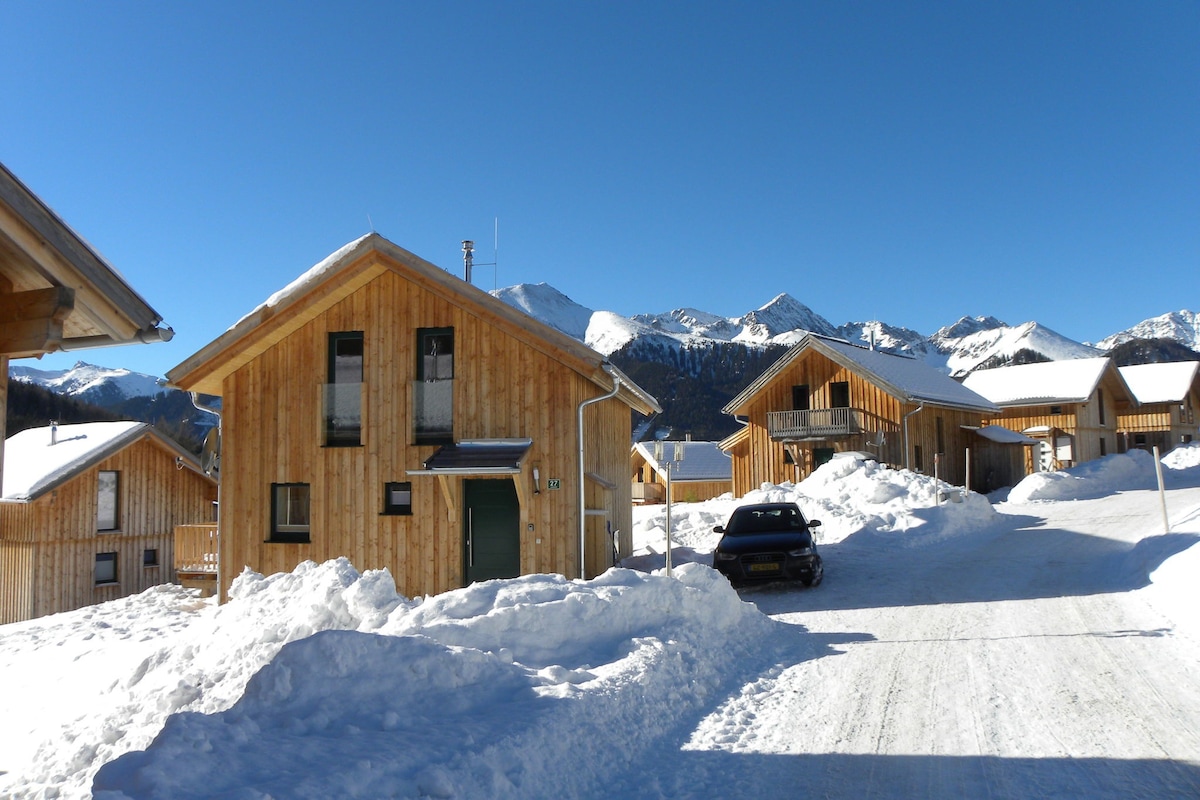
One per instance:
(382,409)
(698,471)
(826,396)
(1167,398)
(88,514)
(56,292)
(1071,407)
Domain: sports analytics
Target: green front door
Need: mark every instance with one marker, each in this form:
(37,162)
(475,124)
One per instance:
(492,538)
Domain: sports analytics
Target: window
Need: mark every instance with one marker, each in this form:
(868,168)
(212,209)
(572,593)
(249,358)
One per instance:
(289,512)
(150,557)
(839,394)
(1103,446)
(106,568)
(800,397)
(108,505)
(433,395)
(1055,409)
(1100,403)
(343,393)
(397,498)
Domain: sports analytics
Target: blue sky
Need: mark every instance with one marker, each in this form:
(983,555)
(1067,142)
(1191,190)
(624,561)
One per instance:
(910,162)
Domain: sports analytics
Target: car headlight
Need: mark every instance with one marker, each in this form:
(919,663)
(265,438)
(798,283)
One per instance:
(725,556)
(803,551)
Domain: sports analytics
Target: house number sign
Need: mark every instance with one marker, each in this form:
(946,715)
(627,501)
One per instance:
(554,483)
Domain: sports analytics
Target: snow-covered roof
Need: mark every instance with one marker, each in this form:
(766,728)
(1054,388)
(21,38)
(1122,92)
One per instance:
(34,466)
(1160,383)
(1044,382)
(906,378)
(1001,435)
(702,461)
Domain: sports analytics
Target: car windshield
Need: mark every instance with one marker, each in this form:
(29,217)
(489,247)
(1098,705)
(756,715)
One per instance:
(760,520)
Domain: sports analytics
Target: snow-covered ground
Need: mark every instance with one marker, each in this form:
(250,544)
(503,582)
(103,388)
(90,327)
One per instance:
(957,648)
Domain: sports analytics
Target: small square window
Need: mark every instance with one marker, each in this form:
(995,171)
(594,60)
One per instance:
(397,498)
(106,568)
(150,557)
(1055,409)
(290,513)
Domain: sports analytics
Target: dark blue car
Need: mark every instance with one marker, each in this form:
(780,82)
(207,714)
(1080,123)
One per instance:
(768,542)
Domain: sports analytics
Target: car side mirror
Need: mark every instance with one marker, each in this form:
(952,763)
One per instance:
(719,529)
(814,523)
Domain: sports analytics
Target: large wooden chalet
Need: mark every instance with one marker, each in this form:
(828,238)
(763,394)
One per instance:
(1071,407)
(826,396)
(382,409)
(1167,398)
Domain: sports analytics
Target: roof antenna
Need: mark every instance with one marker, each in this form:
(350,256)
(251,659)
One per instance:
(370,224)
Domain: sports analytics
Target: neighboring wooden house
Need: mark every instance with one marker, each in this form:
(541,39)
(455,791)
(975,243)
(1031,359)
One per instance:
(382,409)
(88,514)
(826,396)
(56,292)
(1168,396)
(1071,407)
(703,472)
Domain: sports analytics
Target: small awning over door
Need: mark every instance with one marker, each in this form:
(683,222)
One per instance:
(477,457)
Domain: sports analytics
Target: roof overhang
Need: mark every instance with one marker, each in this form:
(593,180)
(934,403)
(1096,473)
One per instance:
(56,291)
(477,457)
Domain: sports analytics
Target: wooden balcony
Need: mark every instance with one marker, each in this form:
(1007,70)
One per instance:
(196,556)
(813,424)
(649,492)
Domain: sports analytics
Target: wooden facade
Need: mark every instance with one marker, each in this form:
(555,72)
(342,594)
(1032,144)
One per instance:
(513,379)
(826,396)
(1071,407)
(50,542)
(1168,400)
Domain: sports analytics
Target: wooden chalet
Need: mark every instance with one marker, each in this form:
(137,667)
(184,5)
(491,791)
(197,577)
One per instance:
(826,396)
(1167,398)
(56,292)
(382,409)
(702,471)
(88,513)
(1071,407)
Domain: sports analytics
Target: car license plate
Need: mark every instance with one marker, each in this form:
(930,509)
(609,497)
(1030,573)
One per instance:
(766,567)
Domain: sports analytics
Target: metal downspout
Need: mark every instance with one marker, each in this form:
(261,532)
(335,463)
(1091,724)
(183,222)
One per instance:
(907,449)
(220,421)
(582,488)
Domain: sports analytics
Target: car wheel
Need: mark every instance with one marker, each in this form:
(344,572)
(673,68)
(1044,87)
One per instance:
(817,574)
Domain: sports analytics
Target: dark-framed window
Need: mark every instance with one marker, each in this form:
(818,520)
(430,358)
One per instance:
(150,557)
(433,395)
(800,397)
(343,392)
(108,500)
(290,513)
(397,498)
(1103,446)
(839,394)
(1100,400)
(1055,409)
(106,568)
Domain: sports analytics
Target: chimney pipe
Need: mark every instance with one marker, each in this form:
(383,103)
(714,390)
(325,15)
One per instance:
(468,258)
(53,433)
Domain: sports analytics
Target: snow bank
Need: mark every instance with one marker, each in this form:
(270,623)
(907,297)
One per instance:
(325,682)
(1110,474)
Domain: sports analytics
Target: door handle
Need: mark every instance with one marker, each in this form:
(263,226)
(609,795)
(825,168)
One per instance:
(470,537)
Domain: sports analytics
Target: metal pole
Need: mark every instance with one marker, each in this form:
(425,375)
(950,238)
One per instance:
(667,465)
(1162,494)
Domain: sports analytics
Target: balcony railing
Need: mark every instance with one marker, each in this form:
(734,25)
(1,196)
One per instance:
(196,548)
(815,423)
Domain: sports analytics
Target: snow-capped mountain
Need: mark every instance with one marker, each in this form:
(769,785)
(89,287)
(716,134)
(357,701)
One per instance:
(956,349)
(100,386)
(1180,326)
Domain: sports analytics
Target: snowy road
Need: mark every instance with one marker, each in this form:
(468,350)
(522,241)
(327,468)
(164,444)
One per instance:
(1014,663)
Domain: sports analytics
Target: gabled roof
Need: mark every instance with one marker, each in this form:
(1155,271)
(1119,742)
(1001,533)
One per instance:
(1071,381)
(350,268)
(702,461)
(1002,435)
(906,378)
(66,295)
(33,466)
(1161,383)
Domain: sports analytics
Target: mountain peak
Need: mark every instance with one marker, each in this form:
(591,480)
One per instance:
(545,303)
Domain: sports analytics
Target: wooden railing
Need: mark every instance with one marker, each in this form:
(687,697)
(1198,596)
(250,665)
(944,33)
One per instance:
(815,423)
(196,548)
(648,492)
